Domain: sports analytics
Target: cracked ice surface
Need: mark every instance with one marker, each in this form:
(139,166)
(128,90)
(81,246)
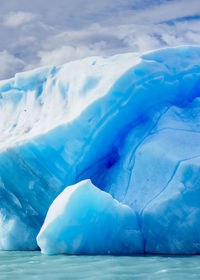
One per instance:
(130,123)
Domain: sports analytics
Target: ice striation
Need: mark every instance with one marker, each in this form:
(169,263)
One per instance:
(131,124)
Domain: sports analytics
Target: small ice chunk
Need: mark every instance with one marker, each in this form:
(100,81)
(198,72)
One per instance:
(85,220)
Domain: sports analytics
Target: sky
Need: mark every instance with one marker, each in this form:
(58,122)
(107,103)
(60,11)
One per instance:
(51,32)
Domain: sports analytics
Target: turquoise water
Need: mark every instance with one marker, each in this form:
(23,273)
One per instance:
(34,265)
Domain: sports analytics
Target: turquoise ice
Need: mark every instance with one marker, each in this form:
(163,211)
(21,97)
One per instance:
(85,220)
(129,123)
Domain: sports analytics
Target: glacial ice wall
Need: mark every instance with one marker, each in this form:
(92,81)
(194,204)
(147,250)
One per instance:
(129,122)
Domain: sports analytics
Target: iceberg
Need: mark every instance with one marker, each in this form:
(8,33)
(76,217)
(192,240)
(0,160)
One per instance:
(129,123)
(85,220)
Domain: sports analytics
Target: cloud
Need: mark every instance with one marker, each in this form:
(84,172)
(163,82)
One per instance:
(9,64)
(15,19)
(67,53)
(165,11)
(48,32)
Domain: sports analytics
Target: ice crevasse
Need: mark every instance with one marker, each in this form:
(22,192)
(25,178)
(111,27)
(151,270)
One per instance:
(131,124)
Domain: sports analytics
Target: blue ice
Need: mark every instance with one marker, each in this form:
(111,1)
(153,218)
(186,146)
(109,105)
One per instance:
(85,220)
(133,131)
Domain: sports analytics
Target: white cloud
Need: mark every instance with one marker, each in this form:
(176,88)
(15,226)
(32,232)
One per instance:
(15,19)
(67,53)
(9,64)
(117,38)
(48,33)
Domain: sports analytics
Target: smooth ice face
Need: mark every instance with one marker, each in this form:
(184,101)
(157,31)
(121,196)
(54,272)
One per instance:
(161,180)
(130,123)
(86,220)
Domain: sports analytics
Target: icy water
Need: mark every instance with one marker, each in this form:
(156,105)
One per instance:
(34,265)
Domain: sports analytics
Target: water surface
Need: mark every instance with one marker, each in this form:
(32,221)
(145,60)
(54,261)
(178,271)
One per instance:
(34,265)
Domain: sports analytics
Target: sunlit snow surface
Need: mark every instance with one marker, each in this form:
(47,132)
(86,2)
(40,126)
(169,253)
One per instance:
(130,123)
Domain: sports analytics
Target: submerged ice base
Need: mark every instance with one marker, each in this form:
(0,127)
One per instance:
(130,123)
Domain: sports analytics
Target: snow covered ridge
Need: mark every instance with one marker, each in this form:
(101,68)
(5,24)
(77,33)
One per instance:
(130,123)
